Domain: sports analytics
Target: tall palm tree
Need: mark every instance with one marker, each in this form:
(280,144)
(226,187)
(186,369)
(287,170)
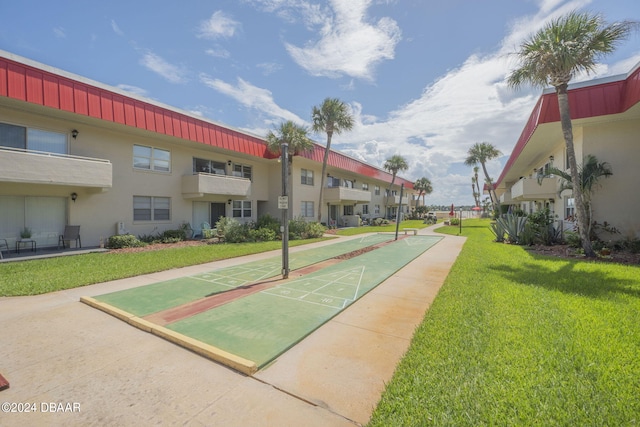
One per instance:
(394,164)
(589,174)
(482,152)
(553,56)
(475,175)
(296,137)
(332,116)
(424,187)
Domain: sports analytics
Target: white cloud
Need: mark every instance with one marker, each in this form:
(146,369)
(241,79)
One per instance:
(116,29)
(252,97)
(269,68)
(59,32)
(348,44)
(133,89)
(170,72)
(218,52)
(219,25)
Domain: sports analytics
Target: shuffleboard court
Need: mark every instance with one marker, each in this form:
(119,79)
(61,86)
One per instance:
(262,326)
(156,297)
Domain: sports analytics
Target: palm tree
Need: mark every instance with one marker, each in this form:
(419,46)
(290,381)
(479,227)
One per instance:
(296,137)
(424,187)
(589,175)
(394,164)
(553,56)
(332,116)
(477,190)
(482,152)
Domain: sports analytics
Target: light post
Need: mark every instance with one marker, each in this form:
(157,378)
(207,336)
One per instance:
(399,209)
(283,204)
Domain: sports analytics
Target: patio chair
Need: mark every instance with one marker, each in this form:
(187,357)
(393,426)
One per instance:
(71,232)
(3,244)
(207,231)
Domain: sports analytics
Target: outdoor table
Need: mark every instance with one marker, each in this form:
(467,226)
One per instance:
(23,243)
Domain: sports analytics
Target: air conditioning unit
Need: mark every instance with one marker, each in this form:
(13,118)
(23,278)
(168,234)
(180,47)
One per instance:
(120,228)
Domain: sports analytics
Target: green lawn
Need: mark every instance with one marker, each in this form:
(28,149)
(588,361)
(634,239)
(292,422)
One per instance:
(53,274)
(413,223)
(517,339)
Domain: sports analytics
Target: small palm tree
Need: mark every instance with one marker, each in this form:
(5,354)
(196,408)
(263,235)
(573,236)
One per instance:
(553,56)
(482,152)
(589,175)
(424,187)
(298,141)
(394,164)
(331,117)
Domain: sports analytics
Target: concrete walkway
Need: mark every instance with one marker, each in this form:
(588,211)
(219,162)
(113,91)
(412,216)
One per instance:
(75,365)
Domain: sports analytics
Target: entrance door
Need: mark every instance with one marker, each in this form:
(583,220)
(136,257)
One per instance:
(218,210)
(333,216)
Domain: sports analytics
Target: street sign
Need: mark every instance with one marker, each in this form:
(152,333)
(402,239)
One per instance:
(283,202)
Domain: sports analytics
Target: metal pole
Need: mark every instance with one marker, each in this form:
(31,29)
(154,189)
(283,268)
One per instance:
(285,212)
(399,209)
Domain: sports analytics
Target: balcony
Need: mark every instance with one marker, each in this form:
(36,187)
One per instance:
(506,199)
(37,167)
(395,200)
(346,195)
(528,189)
(203,184)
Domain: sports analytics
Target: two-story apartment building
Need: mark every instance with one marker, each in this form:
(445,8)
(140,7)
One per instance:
(606,123)
(74,151)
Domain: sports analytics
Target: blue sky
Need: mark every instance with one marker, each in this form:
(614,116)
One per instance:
(424,79)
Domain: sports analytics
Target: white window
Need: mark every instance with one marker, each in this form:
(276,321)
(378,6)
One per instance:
(150,158)
(347,210)
(365,209)
(242,208)
(208,166)
(32,139)
(348,183)
(376,190)
(333,182)
(306,177)
(147,208)
(365,186)
(376,209)
(306,209)
(242,171)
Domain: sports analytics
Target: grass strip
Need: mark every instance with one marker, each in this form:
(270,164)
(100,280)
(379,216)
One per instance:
(40,276)
(520,339)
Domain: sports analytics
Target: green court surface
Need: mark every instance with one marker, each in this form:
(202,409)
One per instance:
(261,326)
(156,297)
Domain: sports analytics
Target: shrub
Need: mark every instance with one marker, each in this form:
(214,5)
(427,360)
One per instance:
(262,235)
(380,221)
(124,241)
(267,221)
(226,222)
(234,232)
(572,239)
(301,229)
(172,236)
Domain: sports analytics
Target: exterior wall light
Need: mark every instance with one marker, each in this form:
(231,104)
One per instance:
(74,196)
(74,133)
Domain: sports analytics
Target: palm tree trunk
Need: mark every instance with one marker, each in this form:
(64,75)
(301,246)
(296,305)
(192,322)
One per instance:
(492,193)
(567,132)
(322,175)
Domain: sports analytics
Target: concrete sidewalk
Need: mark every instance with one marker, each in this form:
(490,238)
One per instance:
(75,365)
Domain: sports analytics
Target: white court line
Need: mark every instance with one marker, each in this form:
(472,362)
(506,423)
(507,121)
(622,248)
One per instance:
(316,291)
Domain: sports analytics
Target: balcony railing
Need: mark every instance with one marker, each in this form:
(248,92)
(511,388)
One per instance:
(38,167)
(395,200)
(505,198)
(346,195)
(202,184)
(529,189)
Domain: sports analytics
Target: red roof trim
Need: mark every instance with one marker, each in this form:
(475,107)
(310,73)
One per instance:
(585,102)
(30,83)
